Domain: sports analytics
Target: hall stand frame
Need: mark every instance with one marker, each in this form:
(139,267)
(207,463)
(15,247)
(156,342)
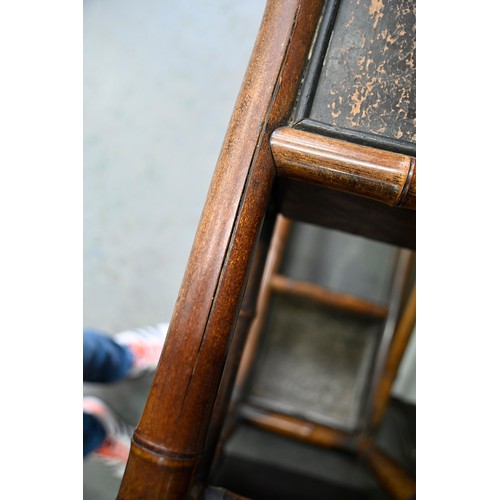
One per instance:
(399,318)
(255,179)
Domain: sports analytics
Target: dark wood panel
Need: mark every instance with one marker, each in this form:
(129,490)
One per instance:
(368,79)
(346,212)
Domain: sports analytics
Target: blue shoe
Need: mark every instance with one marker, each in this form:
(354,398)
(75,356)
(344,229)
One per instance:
(146,345)
(115,449)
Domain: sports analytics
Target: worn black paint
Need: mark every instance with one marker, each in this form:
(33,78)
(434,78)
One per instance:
(360,82)
(368,79)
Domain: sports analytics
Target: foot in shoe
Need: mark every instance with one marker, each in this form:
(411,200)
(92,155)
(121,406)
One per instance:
(115,449)
(146,344)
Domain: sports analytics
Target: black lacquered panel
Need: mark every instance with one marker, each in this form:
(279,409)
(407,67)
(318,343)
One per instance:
(367,83)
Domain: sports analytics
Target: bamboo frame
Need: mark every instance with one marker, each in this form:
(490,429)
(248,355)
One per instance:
(283,284)
(274,258)
(191,389)
(399,484)
(169,441)
(397,349)
(380,175)
(298,428)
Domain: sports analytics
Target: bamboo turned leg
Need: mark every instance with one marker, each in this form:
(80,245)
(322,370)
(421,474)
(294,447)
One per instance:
(245,319)
(278,244)
(169,441)
(402,335)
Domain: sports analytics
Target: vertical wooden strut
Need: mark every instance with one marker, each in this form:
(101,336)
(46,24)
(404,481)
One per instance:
(282,229)
(247,314)
(169,440)
(396,352)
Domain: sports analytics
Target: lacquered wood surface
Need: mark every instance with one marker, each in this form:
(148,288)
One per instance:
(246,318)
(297,428)
(273,262)
(368,75)
(346,186)
(319,181)
(317,204)
(283,284)
(390,337)
(380,175)
(169,440)
(398,346)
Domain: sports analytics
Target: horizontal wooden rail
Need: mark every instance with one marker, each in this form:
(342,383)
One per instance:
(380,175)
(327,297)
(169,441)
(392,476)
(297,428)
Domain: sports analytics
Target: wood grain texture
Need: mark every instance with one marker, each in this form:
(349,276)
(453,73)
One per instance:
(397,349)
(402,275)
(383,176)
(171,433)
(316,204)
(246,318)
(297,428)
(283,284)
(169,441)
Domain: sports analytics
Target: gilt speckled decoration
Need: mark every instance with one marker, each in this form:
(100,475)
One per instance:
(368,79)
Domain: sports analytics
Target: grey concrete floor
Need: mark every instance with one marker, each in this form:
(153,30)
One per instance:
(159,84)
